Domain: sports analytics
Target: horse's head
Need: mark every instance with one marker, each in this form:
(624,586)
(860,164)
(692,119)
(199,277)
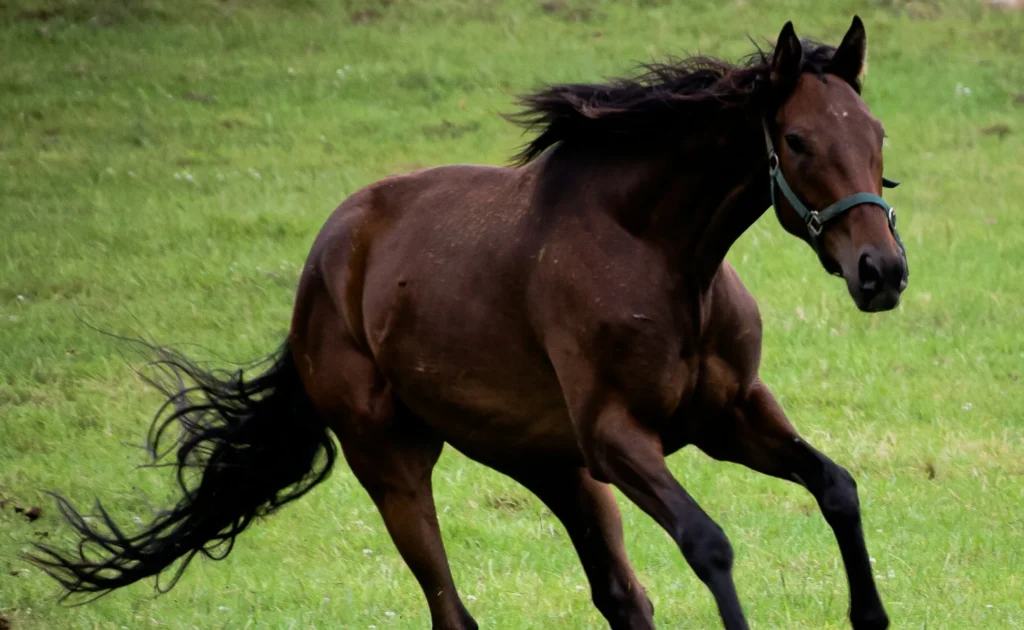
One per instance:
(825,160)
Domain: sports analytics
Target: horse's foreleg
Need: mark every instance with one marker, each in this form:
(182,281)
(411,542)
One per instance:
(619,449)
(591,517)
(760,437)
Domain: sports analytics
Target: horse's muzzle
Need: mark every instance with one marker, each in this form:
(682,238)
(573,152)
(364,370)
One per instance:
(881,278)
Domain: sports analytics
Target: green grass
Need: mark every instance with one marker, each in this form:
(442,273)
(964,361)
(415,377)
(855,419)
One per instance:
(164,167)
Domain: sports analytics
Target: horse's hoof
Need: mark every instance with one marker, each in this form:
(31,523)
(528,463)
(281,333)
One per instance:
(871,620)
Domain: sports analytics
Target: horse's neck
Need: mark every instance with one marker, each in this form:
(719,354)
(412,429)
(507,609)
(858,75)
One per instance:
(725,221)
(697,203)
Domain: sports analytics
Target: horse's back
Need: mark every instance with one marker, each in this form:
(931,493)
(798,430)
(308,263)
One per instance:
(442,222)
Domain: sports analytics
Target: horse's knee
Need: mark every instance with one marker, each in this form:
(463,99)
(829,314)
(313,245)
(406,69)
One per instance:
(610,598)
(622,605)
(707,550)
(839,502)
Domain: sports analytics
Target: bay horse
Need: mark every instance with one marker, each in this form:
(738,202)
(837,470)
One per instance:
(569,321)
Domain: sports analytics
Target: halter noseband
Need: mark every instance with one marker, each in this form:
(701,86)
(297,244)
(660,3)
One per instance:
(816,220)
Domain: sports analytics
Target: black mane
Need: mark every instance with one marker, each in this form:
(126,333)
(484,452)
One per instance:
(662,100)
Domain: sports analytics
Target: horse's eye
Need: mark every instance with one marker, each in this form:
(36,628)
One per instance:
(796,143)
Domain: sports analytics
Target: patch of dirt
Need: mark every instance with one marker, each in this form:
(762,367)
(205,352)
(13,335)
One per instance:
(97,13)
(5,623)
(566,12)
(39,15)
(32,513)
(1018,99)
(366,17)
(1000,131)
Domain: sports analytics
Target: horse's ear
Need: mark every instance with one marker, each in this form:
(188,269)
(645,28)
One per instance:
(850,59)
(788,57)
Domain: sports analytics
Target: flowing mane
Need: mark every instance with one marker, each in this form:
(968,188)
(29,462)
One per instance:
(663,100)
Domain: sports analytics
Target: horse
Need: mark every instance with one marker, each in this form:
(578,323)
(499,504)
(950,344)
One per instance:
(568,320)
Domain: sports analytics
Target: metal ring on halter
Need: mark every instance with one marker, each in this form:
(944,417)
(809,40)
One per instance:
(814,224)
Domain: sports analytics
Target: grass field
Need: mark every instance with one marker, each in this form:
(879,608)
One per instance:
(164,167)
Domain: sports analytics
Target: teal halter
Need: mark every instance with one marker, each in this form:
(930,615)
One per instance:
(816,220)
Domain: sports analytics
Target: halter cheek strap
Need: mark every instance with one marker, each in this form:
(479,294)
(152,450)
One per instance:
(817,220)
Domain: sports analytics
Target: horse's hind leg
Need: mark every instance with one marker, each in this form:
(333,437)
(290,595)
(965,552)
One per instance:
(392,454)
(760,437)
(394,461)
(591,517)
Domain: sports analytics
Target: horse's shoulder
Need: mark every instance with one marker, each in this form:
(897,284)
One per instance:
(731,301)
(731,341)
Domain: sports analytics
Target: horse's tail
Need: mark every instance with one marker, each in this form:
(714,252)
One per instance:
(244,449)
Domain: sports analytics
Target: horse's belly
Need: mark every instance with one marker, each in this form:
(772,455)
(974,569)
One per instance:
(491,421)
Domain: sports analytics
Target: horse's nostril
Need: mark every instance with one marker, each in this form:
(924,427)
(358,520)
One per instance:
(870,276)
(896,274)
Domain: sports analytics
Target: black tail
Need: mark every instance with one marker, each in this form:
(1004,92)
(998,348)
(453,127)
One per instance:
(245,448)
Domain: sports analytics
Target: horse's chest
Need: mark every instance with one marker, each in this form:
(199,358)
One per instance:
(716,387)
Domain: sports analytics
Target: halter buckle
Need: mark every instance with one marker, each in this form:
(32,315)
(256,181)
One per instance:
(814,224)
(773,162)
(892,217)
